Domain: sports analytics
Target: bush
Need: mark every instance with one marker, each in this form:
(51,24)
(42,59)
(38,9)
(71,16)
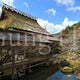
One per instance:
(78,51)
(65,63)
(70,65)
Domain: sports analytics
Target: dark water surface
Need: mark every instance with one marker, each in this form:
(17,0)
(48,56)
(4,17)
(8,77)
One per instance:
(40,73)
(45,73)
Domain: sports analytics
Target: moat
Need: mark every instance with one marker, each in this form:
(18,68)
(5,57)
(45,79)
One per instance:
(43,73)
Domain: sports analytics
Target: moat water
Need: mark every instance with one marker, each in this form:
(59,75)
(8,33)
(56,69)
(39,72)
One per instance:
(42,73)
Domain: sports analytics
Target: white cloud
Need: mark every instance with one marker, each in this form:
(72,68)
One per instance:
(9,2)
(66,2)
(26,4)
(66,22)
(74,8)
(70,5)
(52,28)
(53,11)
(0,9)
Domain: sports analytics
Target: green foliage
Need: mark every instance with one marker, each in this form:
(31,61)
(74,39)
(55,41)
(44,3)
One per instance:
(70,65)
(78,52)
(65,63)
(69,29)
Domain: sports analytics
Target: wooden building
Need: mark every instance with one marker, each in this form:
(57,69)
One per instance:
(23,42)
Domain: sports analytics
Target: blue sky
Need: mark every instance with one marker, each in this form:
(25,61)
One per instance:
(53,15)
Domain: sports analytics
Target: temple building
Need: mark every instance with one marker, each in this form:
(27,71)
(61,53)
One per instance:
(23,41)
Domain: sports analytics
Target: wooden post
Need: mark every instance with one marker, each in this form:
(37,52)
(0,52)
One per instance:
(24,53)
(29,70)
(12,52)
(29,65)
(1,55)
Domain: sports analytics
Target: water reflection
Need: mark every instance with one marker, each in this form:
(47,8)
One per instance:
(45,73)
(40,73)
(60,76)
